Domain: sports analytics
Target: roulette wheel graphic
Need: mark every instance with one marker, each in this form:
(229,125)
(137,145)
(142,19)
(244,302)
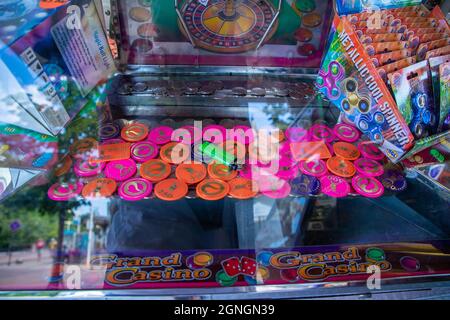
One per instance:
(228,26)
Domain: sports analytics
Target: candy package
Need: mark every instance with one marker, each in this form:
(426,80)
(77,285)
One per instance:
(414,96)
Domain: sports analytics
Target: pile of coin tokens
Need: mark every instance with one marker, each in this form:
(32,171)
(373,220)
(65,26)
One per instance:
(137,162)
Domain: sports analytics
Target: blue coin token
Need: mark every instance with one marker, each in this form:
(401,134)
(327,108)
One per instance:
(305,185)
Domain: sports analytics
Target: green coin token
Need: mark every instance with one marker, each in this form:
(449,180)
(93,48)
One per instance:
(375,254)
(224,280)
(306,5)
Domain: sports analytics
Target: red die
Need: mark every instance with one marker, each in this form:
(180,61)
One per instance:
(248,266)
(232,267)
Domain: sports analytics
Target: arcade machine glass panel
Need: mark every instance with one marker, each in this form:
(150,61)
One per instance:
(228,85)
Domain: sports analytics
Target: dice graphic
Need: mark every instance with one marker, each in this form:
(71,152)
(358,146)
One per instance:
(231,267)
(249,266)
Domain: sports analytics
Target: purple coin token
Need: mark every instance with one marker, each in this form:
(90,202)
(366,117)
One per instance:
(135,189)
(160,135)
(320,132)
(368,167)
(214,133)
(367,186)
(346,133)
(304,185)
(84,169)
(243,134)
(144,151)
(296,134)
(109,131)
(410,264)
(64,191)
(394,180)
(315,168)
(120,170)
(334,186)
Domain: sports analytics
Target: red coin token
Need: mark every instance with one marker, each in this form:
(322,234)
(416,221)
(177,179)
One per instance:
(341,167)
(346,132)
(241,188)
(135,189)
(371,151)
(191,173)
(367,186)
(334,186)
(134,132)
(144,151)
(303,35)
(212,189)
(315,168)
(171,190)
(99,188)
(320,132)
(346,150)
(369,167)
(155,170)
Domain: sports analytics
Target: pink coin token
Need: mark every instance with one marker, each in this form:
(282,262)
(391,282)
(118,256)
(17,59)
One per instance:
(321,132)
(64,191)
(243,134)
(296,134)
(334,186)
(346,133)
(287,169)
(214,133)
(315,168)
(370,150)
(144,151)
(368,167)
(274,187)
(160,135)
(187,135)
(135,189)
(84,169)
(120,170)
(367,186)
(285,151)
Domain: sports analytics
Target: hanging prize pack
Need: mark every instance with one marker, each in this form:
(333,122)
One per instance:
(444,80)
(368,44)
(413,93)
(55,66)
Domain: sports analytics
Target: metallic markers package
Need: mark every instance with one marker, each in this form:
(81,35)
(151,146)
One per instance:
(412,90)
(437,52)
(384,47)
(350,80)
(444,114)
(432,45)
(381,37)
(434,67)
(390,57)
(394,66)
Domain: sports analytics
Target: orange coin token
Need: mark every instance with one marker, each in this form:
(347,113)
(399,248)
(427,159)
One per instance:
(175,152)
(341,167)
(221,171)
(346,150)
(243,189)
(134,132)
(171,190)
(212,189)
(155,170)
(99,188)
(64,166)
(191,173)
